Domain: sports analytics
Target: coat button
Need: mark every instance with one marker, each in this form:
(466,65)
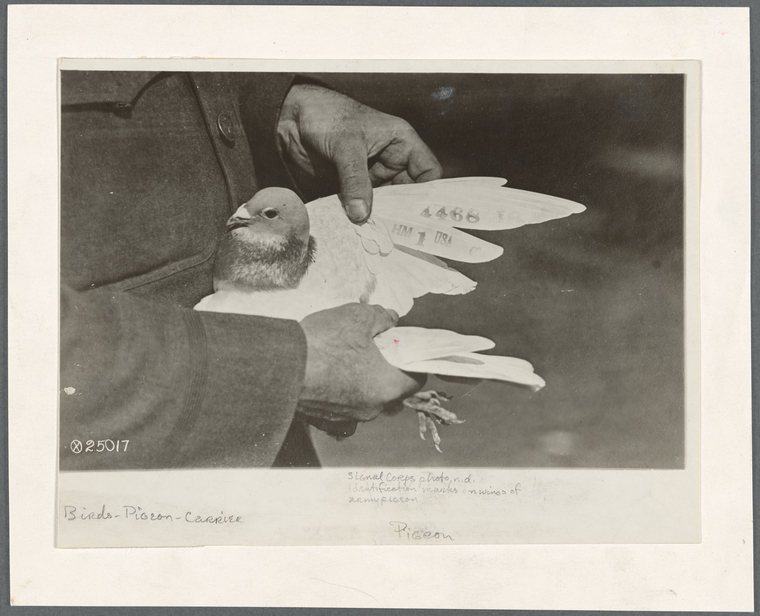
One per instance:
(224,123)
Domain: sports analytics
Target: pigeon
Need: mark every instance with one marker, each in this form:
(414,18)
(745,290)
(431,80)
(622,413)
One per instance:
(281,258)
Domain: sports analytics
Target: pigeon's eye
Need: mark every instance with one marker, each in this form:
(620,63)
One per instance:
(270,213)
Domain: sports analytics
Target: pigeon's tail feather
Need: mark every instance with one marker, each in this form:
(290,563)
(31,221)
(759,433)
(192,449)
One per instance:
(404,274)
(479,366)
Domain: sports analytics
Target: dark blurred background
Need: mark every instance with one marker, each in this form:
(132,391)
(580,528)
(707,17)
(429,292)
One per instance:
(594,301)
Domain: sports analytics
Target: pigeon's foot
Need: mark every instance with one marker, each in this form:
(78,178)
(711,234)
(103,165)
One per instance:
(427,404)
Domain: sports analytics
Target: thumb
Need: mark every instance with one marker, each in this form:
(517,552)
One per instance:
(353,178)
(382,319)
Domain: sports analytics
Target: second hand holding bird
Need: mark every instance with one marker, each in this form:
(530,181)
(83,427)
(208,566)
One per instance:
(347,379)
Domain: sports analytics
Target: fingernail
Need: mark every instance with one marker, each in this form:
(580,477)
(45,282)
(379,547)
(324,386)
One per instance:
(358,210)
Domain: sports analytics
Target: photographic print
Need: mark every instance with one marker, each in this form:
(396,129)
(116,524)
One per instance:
(352,293)
(527,228)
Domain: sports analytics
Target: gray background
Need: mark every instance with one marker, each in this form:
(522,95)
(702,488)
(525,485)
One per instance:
(594,301)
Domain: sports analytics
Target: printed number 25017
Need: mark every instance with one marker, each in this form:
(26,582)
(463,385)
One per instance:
(106,445)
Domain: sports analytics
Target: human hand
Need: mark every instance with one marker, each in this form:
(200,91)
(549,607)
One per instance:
(347,379)
(319,126)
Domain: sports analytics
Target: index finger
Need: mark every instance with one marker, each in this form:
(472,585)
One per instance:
(423,165)
(350,159)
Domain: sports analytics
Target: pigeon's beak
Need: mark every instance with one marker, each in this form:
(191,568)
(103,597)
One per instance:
(235,223)
(240,218)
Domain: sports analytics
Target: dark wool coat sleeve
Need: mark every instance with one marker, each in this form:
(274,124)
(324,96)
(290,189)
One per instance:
(184,388)
(151,167)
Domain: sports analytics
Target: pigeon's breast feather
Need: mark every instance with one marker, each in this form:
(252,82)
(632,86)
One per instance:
(339,270)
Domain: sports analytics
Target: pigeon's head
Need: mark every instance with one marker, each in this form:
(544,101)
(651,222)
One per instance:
(266,244)
(272,214)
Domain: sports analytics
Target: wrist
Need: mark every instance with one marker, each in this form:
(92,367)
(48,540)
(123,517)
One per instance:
(312,377)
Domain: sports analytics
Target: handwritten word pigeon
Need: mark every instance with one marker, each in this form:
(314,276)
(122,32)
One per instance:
(281,258)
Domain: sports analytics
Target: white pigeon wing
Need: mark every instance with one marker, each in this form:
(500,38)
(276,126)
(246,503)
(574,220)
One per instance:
(375,238)
(402,346)
(403,275)
(479,366)
(469,203)
(437,238)
(447,353)
(403,189)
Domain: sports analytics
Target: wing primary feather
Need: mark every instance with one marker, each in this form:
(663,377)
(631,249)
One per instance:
(479,366)
(470,203)
(439,239)
(405,345)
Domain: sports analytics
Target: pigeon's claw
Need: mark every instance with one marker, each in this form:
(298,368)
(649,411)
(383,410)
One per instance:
(427,405)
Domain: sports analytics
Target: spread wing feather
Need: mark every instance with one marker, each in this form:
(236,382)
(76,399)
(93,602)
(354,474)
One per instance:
(403,346)
(403,189)
(404,275)
(447,353)
(479,366)
(437,238)
(469,203)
